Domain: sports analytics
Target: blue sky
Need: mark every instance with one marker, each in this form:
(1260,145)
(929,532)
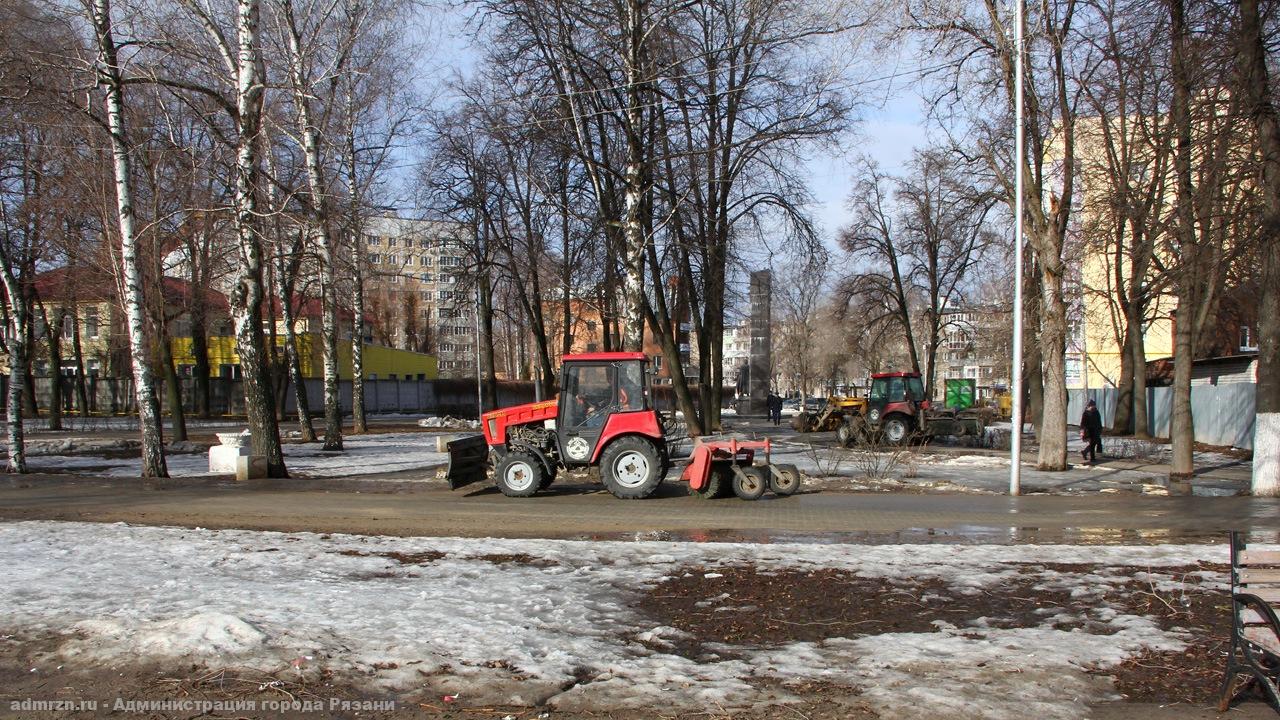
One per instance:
(891,121)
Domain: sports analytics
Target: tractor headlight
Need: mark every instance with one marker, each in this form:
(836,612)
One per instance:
(874,416)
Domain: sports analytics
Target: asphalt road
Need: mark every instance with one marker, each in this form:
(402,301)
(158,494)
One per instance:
(587,511)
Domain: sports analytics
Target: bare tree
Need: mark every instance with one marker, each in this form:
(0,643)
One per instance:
(1259,103)
(978,42)
(111,78)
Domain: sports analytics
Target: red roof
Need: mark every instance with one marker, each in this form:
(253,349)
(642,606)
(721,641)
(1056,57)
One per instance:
(180,292)
(87,284)
(605,357)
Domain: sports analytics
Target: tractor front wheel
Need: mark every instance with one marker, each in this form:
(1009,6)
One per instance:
(519,475)
(631,468)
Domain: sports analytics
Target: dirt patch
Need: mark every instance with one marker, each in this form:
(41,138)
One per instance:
(751,607)
(515,559)
(419,558)
(748,606)
(1193,675)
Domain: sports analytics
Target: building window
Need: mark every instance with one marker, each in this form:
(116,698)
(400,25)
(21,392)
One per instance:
(1248,341)
(425,260)
(68,327)
(92,367)
(424,243)
(373,240)
(374,258)
(392,242)
(91,323)
(446,278)
(425,277)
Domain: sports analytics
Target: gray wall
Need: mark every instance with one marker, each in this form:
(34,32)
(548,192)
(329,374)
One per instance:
(1223,414)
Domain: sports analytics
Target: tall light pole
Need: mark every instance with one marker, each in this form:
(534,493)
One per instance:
(1015,445)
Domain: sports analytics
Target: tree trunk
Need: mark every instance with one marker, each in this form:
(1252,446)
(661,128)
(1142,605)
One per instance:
(1053,332)
(484,344)
(17,371)
(1138,347)
(109,74)
(1252,63)
(247,295)
(294,361)
(359,422)
(82,391)
(202,371)
(55,368)
(1182,427)
(319,194)
(174,391)
(1122,423)
(634,175)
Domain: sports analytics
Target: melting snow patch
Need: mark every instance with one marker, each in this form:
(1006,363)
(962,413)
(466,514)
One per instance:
(521,633)
(210,634)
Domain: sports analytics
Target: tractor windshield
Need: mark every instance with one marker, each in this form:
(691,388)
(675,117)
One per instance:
(886,390)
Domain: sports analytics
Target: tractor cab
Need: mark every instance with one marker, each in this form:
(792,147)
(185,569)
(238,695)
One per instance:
(603,417)
(891,389)
(893,405)
(598,391)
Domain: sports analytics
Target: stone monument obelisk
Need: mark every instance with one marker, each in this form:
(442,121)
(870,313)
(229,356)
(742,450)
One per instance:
(760,364)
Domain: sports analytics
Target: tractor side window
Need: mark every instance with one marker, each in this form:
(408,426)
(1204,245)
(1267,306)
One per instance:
(590,393)
(631,386)
(916,386)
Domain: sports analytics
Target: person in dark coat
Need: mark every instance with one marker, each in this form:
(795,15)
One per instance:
(775,409)
(1091,432)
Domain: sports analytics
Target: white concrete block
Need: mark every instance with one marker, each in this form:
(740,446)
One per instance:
(222,458)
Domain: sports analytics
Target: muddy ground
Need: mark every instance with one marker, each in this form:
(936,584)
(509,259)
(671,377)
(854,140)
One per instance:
(765,608)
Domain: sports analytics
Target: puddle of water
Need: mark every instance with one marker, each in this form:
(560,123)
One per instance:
(958,535)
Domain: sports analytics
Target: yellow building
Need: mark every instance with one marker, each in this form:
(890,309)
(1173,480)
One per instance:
(379,362)
(1095,317)
(89,303)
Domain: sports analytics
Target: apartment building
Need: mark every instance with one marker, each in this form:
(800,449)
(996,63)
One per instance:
(417,290)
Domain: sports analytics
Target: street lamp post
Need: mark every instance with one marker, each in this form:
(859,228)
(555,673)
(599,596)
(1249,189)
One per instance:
(1015,445)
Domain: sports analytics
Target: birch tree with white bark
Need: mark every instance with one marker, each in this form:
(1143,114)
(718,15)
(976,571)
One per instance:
(111,79)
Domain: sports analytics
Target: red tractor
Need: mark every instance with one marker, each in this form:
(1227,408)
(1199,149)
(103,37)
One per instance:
(604,417)
(897,411)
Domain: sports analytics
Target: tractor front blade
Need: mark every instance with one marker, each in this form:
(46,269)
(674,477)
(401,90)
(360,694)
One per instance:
(468,461)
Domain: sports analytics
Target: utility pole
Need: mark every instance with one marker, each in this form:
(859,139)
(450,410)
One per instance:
(1015,444)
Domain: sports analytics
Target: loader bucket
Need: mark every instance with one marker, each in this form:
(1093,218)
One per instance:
(468,461)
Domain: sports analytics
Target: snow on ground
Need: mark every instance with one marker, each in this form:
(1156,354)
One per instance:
(472,619)
(361,455)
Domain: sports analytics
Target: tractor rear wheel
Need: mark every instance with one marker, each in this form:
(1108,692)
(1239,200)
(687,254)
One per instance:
(896,429)
(751,483)
(519,475)
(631,468)
(785,481)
